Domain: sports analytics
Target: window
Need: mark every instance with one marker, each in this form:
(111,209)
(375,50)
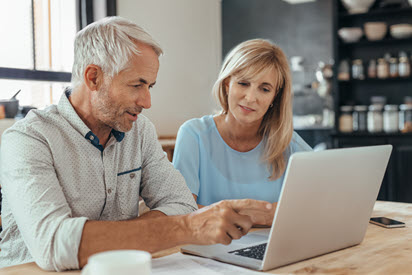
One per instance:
(36,55)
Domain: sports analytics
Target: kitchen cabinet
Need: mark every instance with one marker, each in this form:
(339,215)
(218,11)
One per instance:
(397,184)
(359,92)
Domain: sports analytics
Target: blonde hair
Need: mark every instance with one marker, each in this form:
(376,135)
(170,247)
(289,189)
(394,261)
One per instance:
(249,59)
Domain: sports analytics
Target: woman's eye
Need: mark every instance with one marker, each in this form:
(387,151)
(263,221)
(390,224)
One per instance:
(243,83)
(266,90)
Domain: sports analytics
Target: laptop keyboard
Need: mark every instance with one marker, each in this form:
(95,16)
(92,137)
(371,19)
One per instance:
(255,252)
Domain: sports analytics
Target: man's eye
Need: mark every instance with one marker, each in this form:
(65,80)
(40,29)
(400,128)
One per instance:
(137,86)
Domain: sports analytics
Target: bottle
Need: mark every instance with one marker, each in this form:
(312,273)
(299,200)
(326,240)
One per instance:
(343,71)
(359,117)
(372,68)
(383,69)
(393,67)
(404,67)
(357,69)
(345,119)
(405,118)
(375,118)
(390,119)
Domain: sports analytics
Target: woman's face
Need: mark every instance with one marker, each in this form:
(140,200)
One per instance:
(249,99)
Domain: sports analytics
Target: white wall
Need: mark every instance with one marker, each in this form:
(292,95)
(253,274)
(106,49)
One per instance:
(189,32)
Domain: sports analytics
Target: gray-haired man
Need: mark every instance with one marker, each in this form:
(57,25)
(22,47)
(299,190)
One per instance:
(72,173)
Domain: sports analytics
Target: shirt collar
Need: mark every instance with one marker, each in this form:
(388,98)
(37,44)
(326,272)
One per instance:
(66,109)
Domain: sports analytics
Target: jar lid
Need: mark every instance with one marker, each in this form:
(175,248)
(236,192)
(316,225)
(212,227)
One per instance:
(357,61)
(390,107)
(405,107)
(346,108)
(376,107)
(360,108)
(381,60)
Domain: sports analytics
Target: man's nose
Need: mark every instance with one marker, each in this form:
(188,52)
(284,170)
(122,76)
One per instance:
(145,100)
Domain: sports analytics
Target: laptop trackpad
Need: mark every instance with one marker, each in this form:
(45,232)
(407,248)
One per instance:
(254,237)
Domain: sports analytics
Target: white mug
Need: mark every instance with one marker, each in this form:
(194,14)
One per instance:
(125,262)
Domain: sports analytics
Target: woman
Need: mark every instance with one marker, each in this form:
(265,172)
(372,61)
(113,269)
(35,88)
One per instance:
(243,151)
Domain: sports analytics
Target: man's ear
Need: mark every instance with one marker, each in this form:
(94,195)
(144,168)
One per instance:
(93,77)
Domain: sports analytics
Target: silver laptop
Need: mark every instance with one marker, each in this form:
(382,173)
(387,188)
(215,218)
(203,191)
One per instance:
(325,204)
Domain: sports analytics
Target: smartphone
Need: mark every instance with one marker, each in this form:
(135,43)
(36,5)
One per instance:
(386,222)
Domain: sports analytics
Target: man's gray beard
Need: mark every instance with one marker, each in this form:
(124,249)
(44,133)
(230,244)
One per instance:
(107,110)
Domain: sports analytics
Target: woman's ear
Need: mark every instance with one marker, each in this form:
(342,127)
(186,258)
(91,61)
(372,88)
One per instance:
(93,77)
(226,83)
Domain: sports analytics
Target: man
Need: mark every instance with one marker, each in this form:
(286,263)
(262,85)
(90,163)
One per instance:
(72,173)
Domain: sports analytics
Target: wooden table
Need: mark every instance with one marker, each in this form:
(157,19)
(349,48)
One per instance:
(383,251)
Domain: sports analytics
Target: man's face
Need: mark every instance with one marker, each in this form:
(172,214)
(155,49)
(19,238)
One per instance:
(117,104)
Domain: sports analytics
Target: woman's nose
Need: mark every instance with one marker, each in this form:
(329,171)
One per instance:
(250,95)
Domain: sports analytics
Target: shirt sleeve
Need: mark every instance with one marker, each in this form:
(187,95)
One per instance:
(37,202)
(162,187)
(186,158)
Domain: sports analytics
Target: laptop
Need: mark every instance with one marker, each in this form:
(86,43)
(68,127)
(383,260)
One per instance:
(325,204)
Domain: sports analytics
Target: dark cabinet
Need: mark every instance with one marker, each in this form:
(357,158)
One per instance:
(402,173)
(397,183)
(359,91)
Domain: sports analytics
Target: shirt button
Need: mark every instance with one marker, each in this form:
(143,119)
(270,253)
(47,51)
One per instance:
(109,190)
(132,175)
(91,137)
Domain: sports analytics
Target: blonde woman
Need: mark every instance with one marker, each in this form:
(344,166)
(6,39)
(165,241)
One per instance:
(243,151)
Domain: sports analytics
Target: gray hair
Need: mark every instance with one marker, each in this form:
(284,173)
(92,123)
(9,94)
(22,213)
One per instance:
(108,43)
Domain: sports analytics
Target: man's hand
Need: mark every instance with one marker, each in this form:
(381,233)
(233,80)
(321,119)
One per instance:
(260,218)
(223,222)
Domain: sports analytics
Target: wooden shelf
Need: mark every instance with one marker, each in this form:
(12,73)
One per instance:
(377,12)
(370,135)
(365,42)
(376,80)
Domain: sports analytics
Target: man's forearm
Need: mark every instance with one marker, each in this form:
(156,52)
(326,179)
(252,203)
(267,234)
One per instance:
(151,234)
(151,214)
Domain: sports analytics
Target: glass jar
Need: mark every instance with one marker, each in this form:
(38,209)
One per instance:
(345,119)
(393,67)
(357,69)
(344,71)
(404,67)
(405,118)
(383,68)
(372,68)
(359,117)
(375,118)
(390,119)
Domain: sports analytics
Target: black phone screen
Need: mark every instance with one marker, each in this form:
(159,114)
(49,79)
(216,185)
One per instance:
(386,221)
